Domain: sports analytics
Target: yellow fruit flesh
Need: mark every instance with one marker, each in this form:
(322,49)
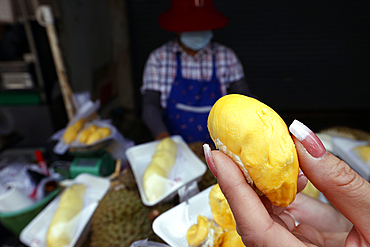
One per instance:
(204,232)
(363,152)
(98,134)
(62,223)
(311,190)
(155,175)
(220,209)
(71,132)
(258,140)
(232,239)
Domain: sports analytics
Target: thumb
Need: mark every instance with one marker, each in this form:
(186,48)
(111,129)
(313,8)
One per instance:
(341,185)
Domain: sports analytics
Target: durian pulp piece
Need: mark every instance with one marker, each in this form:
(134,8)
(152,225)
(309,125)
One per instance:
(84,135)
(204,233)
(258,140)
(103,132)
(98,134)
(363,152)
(232,239)
(63,223)
(220,209)
(71,132)
(155,175)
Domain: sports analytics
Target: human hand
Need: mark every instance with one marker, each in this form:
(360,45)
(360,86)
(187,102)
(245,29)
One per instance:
(162,135)
(260,225)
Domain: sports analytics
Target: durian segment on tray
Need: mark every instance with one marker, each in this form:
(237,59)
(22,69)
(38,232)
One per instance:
(258,140)
(156,174)
(204,233)
(220,209)
(61,228)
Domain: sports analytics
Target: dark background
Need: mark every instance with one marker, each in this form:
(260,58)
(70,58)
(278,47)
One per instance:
(306,59)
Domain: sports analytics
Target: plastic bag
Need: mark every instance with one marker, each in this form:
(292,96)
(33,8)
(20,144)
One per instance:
(146,243)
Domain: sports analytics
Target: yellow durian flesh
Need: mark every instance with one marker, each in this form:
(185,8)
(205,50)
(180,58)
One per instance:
(204,233)
(103,132)
(84,135)
(220,209)
(71,131)
(62,225)
(258,140)
(363,152)
(155,176)
(232,239)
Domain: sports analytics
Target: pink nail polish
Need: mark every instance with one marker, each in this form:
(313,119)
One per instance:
(209,159)
(309,140)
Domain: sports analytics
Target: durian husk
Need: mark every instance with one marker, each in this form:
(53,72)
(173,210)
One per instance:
(121,218)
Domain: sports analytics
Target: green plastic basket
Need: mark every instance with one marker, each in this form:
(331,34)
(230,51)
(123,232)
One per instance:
(16,221)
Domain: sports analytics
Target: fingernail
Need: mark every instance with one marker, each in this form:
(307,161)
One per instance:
(309,140)
(209,159)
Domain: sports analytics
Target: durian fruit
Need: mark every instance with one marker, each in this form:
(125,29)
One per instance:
(84,135)
(232,239)
(258,140)
(62,225)
(155,175)
(121,218)
(220,209)
(71,132)
(204,233)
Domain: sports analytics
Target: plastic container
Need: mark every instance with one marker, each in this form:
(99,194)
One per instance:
(34,234)
(172,225)
(343,147)
(187,168)
(16,221)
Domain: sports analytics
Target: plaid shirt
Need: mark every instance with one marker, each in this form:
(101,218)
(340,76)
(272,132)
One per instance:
(160,69)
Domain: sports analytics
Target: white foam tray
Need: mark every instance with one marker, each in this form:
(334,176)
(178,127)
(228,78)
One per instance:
(172,225)
(34,234)
(343,148)
(187,168)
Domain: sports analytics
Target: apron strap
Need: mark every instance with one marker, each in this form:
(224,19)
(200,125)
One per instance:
(178,61)
(214,61)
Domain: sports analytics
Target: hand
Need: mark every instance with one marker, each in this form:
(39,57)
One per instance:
(260,225)
(322,216)
(162,135)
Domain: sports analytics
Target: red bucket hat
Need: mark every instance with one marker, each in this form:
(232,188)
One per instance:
(192,15)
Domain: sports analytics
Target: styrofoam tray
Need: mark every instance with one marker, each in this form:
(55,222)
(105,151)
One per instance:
(187,168)
(172,225)
(34,234)
(343,148)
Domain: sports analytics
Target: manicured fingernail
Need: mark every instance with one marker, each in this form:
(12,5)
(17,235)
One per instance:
(302,181)
(209,159)
(309,140)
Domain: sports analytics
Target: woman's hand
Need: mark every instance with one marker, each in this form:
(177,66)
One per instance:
(259,224)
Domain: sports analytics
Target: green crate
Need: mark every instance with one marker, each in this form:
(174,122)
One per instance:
(19,98)
(16,221)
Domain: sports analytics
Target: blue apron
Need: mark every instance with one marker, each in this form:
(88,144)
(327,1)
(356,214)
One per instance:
(189,104)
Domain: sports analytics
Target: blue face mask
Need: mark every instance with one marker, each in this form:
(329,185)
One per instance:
(196,40)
